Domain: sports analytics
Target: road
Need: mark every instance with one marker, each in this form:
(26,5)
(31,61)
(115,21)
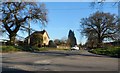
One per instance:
(58,61)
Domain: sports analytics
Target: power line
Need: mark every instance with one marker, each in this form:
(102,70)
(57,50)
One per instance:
(29,28)
(82,8)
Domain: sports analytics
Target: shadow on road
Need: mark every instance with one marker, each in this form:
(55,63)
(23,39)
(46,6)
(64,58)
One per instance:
(56,53)
(43,64)
(12,70)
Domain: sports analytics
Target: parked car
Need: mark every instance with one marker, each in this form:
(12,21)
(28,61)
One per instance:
(75,48)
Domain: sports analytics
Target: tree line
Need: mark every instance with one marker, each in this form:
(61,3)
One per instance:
(69,41)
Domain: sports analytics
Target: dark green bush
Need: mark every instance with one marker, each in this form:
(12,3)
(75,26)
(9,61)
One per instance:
(30,48)
(52,44)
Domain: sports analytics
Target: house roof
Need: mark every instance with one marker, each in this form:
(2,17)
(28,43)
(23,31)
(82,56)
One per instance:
(39,32)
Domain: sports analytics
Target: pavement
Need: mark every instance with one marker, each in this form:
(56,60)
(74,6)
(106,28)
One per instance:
(58,61)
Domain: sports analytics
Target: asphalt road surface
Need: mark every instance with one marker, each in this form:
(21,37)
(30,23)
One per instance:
(58,61)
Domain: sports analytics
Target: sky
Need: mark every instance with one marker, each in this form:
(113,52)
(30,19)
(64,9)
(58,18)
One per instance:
(63,16)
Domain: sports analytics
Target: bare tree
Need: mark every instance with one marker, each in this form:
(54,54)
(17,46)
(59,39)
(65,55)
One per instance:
(57,41)
(17,14)
(101,3)
(99,26)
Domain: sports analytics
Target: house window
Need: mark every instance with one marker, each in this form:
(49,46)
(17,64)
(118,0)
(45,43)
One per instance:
(45,38)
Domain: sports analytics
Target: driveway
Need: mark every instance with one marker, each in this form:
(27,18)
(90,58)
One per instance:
(58,61)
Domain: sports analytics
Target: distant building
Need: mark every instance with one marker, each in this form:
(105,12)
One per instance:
(115,43)
(41,34)
(3,41)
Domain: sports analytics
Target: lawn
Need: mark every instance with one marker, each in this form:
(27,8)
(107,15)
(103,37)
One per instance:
(28,48)
(9,49)
(110,51)
(51,49)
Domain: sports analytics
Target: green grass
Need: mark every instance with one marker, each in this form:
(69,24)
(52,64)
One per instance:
(9,49)
(52,49)
(27,48)
(110,51)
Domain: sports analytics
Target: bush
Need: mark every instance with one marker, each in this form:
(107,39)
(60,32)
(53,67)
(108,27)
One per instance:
(30,48)
(52,44)
(114,52)
(111,51)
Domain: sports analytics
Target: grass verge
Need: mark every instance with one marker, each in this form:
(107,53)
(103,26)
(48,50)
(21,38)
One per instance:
(111,51)
(5,49)
(9,49)
(52,49)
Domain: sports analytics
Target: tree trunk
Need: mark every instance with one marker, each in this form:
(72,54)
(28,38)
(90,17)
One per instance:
(99,42)
(12,38)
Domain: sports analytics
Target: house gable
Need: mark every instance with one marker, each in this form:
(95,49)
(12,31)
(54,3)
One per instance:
(45,38)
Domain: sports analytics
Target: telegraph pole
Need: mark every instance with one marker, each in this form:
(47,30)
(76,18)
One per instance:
(29,33)
(119,9)
(29,29)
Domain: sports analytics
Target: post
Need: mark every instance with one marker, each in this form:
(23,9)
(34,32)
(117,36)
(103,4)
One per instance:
(29,29)
(119,9)
(29,33)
